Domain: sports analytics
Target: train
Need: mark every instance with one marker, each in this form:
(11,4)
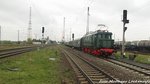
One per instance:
(98,43)
(141,45)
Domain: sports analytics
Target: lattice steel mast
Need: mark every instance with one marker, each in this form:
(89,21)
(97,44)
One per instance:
(29,26)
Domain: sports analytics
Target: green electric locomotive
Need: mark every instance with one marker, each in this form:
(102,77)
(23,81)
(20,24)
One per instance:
(99,43)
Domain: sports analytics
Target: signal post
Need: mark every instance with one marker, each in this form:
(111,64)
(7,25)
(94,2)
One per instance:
(42,36)
(125,21)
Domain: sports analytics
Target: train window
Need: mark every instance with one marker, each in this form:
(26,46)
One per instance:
(103,36)
(100,36)
(107,36)
(110,36)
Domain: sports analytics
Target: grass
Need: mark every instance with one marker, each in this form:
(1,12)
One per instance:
(31,68)
(143,59)
(139,58)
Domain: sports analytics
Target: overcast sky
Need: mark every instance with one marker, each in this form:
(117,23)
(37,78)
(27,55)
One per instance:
(14,16)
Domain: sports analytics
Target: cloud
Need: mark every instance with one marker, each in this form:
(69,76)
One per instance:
(14,16)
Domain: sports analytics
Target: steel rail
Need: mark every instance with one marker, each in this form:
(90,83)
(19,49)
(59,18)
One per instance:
(16,51)
(94,66)
(132,64)
(129,67)
(84,73)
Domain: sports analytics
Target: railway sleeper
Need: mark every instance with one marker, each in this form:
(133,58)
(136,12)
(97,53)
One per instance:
(92,72)
(82,79)
(77,71)
(97,76)
(80,76)
(146,71)
(84,82)
(147,77)
(97,79)
(85,65)
(89,70)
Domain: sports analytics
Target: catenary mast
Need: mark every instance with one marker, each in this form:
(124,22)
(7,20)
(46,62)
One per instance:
(87,28)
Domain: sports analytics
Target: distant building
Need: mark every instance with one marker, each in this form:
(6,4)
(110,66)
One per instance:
(36,43)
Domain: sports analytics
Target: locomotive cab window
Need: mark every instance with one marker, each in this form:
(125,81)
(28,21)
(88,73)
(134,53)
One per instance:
(104,36)
(99,36)
(108,36)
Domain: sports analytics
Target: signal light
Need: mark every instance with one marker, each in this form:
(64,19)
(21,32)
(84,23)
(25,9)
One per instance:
(73,35)
(42,29)
(124,15)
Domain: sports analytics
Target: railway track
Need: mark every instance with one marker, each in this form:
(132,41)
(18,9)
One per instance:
(136,68)
(11,49)
(11,52)
(143,74)
(126,61)
(14,52)
(88,73)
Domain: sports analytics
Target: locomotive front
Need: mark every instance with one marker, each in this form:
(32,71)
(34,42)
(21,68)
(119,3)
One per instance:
(104,44)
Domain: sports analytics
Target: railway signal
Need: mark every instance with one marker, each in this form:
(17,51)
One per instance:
(125,28)
(42,29)
(125,21)
(73,36)
(42,35)
(125,16)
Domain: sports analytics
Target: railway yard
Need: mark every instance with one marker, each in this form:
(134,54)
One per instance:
(70,66)
(74,42)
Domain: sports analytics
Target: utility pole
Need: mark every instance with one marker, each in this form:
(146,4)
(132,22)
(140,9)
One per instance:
(70,34)
(87,28)
(35,36)
(0,35)
(63,39)
(125,21)
(18,36)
